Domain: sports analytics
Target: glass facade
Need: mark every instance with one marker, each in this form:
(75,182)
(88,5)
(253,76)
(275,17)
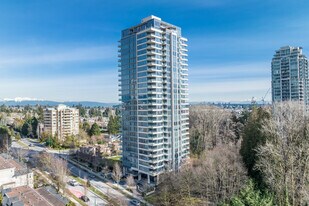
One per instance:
(290,75)
(154,96)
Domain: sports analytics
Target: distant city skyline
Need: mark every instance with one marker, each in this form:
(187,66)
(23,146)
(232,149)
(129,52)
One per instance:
(67,51)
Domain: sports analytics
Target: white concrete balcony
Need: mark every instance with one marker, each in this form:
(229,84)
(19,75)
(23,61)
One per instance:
(151,41)
(151,47)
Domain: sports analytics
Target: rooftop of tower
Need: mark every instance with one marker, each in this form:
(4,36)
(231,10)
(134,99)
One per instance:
(150,17)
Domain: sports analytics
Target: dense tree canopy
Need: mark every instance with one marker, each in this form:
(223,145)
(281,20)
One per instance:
(210,127)
(284,158)
(95,130)
(113,125)
(30,126)
(5,139)
(253,137)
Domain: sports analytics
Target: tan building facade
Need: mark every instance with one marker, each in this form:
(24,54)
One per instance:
(61,121)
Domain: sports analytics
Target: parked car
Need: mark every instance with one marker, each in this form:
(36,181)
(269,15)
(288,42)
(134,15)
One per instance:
(135,202)
(84,198)
(73,183)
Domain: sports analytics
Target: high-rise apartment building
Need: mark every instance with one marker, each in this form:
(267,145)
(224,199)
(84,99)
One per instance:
(290,80)
(154,94)
(61,121)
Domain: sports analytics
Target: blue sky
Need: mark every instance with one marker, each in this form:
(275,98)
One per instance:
(67,50)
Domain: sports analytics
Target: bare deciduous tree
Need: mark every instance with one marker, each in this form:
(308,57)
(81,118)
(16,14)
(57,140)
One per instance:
(210,126)
(61,171)
(57,167)
(284,159)
(216,176)
(130,181)
(19,153)
(117,174)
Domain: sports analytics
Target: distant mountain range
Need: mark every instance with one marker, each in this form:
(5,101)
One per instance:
(54,103)
(245,102)
(33,102)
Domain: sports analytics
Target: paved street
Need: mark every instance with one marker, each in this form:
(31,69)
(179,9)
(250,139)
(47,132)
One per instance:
(77,190)
(35,147)
(98,184)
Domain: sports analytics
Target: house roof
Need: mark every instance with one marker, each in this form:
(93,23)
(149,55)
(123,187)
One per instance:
(27,196)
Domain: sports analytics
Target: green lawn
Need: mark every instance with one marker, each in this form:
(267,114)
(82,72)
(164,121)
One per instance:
(115,158)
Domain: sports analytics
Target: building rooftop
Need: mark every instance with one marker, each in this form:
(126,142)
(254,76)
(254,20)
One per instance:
(150,17)
(6,163)
(50,194)
(25,195)
(9,163)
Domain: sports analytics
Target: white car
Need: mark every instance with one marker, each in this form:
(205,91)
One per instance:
(73,183)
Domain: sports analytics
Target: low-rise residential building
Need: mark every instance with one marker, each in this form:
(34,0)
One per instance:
(27,196)
(97,156)
(14,174)
(61,121)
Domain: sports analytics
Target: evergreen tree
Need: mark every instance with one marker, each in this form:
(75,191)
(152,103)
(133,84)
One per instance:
(253,137)
(26,129)
(113,125)
(95,130)
(250,196)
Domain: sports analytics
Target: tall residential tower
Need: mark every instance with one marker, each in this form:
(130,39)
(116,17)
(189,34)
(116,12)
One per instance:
(290,75)
(154,95)
(62,121)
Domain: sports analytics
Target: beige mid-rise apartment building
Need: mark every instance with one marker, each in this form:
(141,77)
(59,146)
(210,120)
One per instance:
(61,121)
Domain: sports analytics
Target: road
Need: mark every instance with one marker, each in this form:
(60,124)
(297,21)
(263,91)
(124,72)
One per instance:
(99,185)
(78,191)
(36,147)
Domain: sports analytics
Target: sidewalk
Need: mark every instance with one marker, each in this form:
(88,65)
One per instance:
(50,182)
(112,185)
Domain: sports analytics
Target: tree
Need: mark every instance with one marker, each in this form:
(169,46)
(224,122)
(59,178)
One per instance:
(34,125)
(40,113)
(253,137)
(117,174)
(106,112)
(52,142)
(113,125)
(18,124)
(19,153)
(86,126)
(95,130)
(217,176)
(70,141)
(250,196)
(94,112)
(5,139)
(130,181)
(209,127)
(284,158)
(26,129)
(105,171)
(30,127)
(82,110)
(70,203)
(60,169)
(57,167)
